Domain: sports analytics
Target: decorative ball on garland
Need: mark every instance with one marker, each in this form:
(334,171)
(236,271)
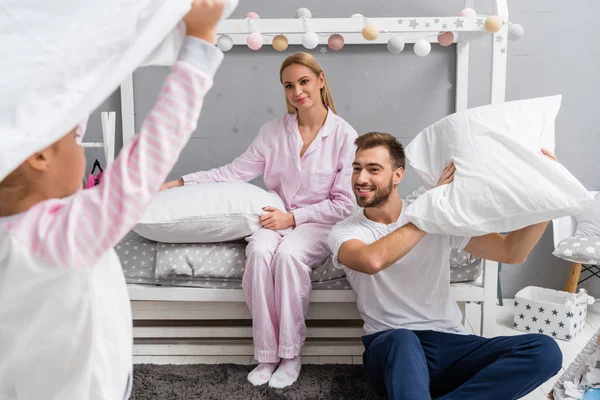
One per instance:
(445,38)
(493,24)
(280,43)
(252,15)
(357,15)
(310,40)
(335,42)
(370,32)
(468,12)
(303,13)
(515,32)
(254,41)
(225,43)
(422,47)
(395,45)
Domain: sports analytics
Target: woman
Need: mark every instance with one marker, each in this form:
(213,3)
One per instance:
(306,157)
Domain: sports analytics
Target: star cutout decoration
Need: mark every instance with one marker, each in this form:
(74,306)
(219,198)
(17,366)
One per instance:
(527,328)
(516,304)
(561,324)
(541,331)
(580,313)
(554,334)
(597,365)
(270,111)
(436,21)
(503,50)
(575,326)
(547,322)
(499,39)
(458,23)
(444,26)
(449,86)
(541,310)
(235,130)
(554,312)
(528,307)
(534,319)
(569,314)
(413,23)
(323,50)
(515,325)
(568,337)
(400,20)
(427,25)
(480,22)
(521,316)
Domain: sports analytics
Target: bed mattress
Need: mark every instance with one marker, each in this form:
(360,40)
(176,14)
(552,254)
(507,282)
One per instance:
(221,265)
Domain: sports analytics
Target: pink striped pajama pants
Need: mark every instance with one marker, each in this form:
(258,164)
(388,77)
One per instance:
(277,286)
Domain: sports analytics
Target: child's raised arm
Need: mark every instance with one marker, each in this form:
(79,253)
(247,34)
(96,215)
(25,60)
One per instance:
(76,231)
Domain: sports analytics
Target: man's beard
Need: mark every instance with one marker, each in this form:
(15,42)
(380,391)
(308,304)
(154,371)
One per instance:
(379,199)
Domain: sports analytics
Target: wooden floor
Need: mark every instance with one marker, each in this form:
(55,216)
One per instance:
(503,328)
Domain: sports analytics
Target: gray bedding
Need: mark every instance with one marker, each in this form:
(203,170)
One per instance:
(221,265)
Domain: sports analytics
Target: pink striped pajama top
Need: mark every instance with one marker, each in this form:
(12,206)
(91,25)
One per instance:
(65,317)
(315,187)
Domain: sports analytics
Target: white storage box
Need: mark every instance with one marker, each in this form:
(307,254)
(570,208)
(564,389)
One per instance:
(555,313)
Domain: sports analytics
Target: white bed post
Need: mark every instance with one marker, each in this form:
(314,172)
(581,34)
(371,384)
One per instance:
(109,120)
(462,69)
(499,54)
(127,110)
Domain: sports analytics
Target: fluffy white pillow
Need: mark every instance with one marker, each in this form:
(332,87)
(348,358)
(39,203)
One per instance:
(502,181)
(207,213)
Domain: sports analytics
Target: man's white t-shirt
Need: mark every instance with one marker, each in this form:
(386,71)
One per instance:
(414,292)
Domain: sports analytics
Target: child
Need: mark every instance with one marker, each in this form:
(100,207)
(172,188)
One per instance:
(65,317)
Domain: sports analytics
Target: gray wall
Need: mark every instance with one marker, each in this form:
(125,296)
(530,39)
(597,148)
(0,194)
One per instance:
(402,94)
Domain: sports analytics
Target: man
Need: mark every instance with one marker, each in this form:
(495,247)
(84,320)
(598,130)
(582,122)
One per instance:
(415,347)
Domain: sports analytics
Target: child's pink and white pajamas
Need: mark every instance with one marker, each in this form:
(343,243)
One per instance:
(65,316)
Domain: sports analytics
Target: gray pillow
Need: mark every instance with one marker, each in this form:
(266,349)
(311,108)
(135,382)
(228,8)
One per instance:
(588,222)
(582,250)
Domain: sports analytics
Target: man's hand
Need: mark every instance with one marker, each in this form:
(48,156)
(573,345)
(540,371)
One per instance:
(202,19)
(549,154)
(447,175)
(276,219)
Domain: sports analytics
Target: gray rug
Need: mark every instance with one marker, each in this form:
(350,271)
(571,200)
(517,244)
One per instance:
(228,382)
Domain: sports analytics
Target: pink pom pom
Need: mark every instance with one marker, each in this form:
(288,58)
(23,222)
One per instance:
(336,42)
(468,12)
(445,38)
(252,15)
(254,41)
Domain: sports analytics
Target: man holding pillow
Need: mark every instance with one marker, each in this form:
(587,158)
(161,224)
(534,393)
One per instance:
(415,345)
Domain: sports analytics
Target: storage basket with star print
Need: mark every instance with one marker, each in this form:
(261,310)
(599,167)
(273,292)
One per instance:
(555,313)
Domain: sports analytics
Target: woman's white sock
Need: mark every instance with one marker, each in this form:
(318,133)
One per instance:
(287,373)
(262,373)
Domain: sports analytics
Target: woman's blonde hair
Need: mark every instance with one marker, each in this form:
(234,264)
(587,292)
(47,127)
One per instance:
(308,61)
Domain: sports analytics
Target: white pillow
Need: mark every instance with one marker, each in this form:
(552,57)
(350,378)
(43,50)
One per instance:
(207,213)
(502,181)
(588,221)
(68,56)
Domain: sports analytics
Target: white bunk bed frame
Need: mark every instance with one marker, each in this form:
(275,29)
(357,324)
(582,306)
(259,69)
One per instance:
(216,322)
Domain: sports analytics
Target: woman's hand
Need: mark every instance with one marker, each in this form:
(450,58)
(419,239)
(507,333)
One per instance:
(276,219)
(171,184)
